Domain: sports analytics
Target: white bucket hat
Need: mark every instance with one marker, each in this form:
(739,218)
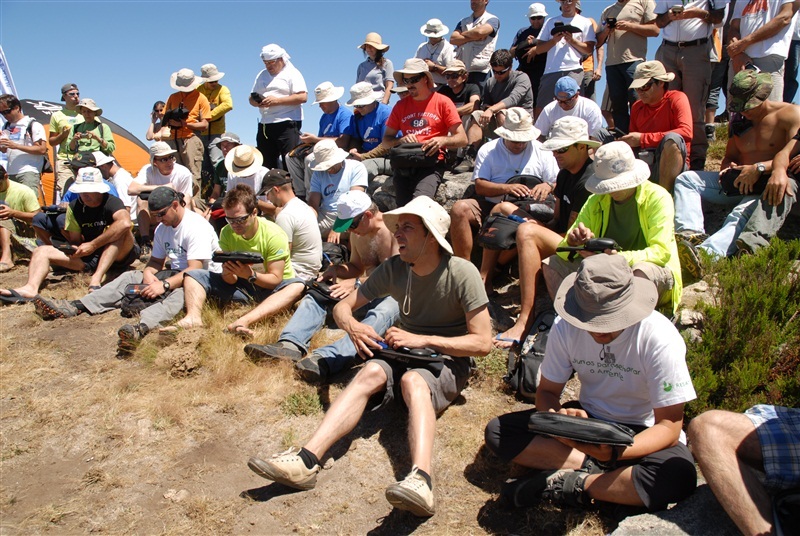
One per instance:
(361,94)
(185,80)
(327,154)
(210,72)
(537,10)
(89,104)
(350,205)
(518,126)
(243,161)
(413,66)
(160,148)
(89,180)
(433,215)
(327,92)
(615,169)
(101,159)
(434,28)
(374,39)
(568,131)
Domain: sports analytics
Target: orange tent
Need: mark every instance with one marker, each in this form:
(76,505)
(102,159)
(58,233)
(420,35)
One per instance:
(130,152)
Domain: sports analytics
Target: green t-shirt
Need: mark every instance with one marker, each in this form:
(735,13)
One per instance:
(20,197)
(624,226)
(270,241)
(58,121)
(86,145)
(440,300)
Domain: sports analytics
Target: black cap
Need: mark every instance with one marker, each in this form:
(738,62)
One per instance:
(86,160)
(162,197)
(276,177)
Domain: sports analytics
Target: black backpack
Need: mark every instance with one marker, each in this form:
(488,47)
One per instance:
(334,254)
(525,359)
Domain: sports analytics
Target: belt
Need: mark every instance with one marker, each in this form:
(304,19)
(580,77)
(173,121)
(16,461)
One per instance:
(681,44)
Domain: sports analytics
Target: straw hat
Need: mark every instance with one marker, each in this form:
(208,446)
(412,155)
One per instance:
(243,161)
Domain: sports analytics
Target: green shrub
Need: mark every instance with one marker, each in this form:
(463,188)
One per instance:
(750,348)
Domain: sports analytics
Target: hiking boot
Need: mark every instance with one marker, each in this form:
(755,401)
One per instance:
(466,165)
(312,368)
(130,335)
(565,487)
(412,494)
(692,237)
(53,308)
(690,261)
(286,468)
(279,350)
(711,131)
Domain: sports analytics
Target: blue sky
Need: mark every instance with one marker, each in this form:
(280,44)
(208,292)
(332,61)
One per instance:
(121,53)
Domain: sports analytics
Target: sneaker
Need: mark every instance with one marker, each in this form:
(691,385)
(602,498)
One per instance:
(53,308)
(690,261)
(692,237)
(278,350)
(526,491)
(565,487)
(286,468)
(711,131)
(412,494)
(466,165)
(130,335)
(312,368)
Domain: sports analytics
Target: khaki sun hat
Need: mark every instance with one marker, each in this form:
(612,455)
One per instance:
(433,215)
(374,39)
(327,154)
(361,94)
(413,66)
(160,148)
(185,80)
(89,104)
(518,126)
(650,69)
(243,161)
(434,28)
(568,131)
(455,66)
(604,296)
(327,92)
(616,168)
(210,73)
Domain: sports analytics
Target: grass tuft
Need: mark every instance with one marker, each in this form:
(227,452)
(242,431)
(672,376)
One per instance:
(304,403)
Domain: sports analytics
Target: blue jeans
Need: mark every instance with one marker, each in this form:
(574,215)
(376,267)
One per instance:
(619,77)
(790,73)
(752,221)
(241,291)
(309,318)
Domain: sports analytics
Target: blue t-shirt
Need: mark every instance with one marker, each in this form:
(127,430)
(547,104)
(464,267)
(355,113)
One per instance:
(369,128)
(70,195)
(335,124)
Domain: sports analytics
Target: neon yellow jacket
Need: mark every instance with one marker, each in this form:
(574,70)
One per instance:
(657,218)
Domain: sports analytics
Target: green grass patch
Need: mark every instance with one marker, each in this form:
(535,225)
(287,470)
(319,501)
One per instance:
(750,348)
(297,404)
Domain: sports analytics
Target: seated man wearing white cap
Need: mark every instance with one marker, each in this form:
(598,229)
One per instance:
(517,152)
(639,380)
(334,122)
(161,171)
(225,143)
(570,144)
(120,178)
(244,166)
(569,103)
(366,129)
(636,213)
(239,282)
(334,174)
(372,243)
(278,92)
(98,229)
(457,328)
(436,52)
(184,131)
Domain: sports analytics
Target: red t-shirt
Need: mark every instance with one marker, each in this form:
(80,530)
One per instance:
(672,114)
(434,116)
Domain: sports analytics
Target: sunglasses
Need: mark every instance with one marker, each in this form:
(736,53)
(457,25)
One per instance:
(164,159)
(452,76)
(161,213)
(413,79)
(6,111)
(537,18)
(73,94)
(563,149)
(501,71)
(564,101)
(357,221)
(271,62)
(360,106)
(237,221)
(646,87)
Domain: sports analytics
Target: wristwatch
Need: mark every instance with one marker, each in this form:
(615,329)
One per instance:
(166,284)
(761,168)
(252,279)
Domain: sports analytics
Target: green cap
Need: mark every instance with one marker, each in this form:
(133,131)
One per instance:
(749,89)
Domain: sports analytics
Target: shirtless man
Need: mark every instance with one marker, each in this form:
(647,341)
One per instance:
(762,130)
(371,243)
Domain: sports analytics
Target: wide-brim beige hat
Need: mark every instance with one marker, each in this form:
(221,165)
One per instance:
(210,73)
(434,28)
(185,80)
(413,66)
(518,126)
(616,168)
(374,39)
(433,215)
(327,92)
(243,161)
(361,94)
(568,131)
(604,296)
(89,104)
(650,69)
(327,154)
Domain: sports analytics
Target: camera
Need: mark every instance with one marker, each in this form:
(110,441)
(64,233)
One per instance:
(257,97)
(176,114)
(611,22)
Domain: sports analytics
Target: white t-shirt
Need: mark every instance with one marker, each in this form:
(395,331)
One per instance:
(300,224)
(442,53)
(192,240)
(643,368)
(495,163)
(180,178)
(287,82)
(253,181)
(562,57)
(331,187)
(755,14)
(586,109)
(121,180)
(20,161)
(689,29)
